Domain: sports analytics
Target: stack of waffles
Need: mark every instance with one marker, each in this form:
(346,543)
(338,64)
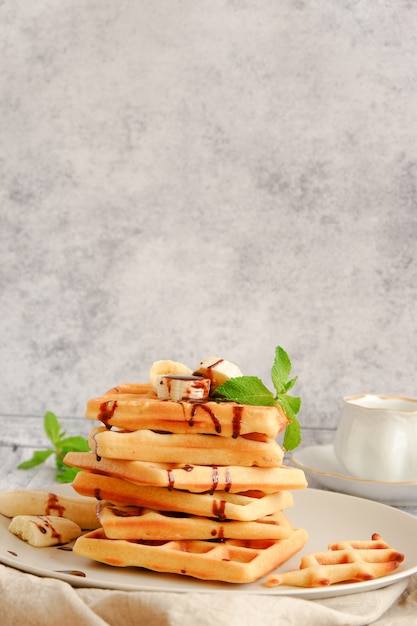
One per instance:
(188,486)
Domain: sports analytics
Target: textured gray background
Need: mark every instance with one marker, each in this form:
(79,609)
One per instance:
(182,179)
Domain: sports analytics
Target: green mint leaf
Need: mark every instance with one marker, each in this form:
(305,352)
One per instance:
(245,390)
(59,462)
(292,436)
(38,458)
(280,370)
(76,444)
(290,384)
(251,390)
(291,406)
(67,475)
(52,427)
(62,445)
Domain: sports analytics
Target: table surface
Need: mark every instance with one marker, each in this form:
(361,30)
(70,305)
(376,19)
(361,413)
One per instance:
(25,434)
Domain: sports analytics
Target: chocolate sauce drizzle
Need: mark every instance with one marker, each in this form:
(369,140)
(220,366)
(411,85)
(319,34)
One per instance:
(218,509)
(207,409)
(98,457)
(54,505)
(237,420)
(106,412)
(215,479)
(171,479)
(128,511)
(43,526)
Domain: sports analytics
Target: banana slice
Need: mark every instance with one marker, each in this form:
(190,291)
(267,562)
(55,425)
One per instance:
(82,511)
(183,387)
(166,368)
(41,531)
(217,370)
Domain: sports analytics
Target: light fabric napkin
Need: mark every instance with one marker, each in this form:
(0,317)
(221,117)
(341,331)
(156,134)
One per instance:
(27,600)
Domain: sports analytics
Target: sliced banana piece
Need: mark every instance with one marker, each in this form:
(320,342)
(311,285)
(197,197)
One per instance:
(183,388)
(217,370)
(166,368)
(41,531)
(82,511)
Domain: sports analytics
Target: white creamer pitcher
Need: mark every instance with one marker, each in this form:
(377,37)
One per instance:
(376,438)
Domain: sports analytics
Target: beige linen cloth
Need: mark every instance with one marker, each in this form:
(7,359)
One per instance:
(27,600)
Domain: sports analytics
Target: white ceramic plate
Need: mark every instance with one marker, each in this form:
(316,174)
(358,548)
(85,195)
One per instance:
(320,463)
(328,517)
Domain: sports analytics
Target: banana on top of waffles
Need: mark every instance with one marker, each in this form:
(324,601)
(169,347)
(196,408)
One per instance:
(181,401)
(174,381)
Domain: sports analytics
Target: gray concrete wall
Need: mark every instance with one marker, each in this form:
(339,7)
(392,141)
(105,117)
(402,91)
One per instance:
(182,179)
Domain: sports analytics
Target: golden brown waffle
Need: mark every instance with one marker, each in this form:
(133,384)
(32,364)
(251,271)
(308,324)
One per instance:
(146,445)
(230,560)
(133,522)
(136,407)
(194,478)
(192,487)
(220,504)
(346,561)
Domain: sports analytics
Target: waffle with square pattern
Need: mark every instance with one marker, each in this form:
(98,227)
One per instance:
(136,522)
(133,406)
(346,561)
(244,507)
(194,478)
(147,445)
(229,560)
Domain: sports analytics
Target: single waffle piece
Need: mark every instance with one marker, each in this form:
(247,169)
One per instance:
(133,522)
(195,478)
(147,445)
(136,407)
(229,560)
(221,505)
(346,561)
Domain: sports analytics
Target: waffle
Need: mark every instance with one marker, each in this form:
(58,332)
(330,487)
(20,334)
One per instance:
(146,445)
(229,560)
(133,522)
(347,561)
(136,407)
(244,507)
(194,478)
(193,486)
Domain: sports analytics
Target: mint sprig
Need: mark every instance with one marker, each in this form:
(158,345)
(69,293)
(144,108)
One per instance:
(61,445)
(251,390)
